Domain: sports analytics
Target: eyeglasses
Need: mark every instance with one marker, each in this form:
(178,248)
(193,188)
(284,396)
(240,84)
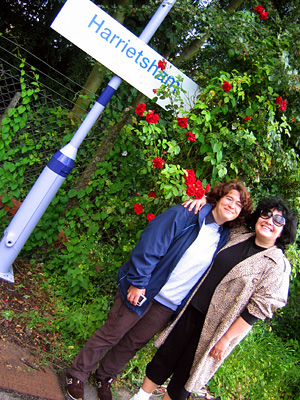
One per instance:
(229,200)
(278,220)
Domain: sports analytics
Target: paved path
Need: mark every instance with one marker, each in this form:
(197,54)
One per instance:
(22,379)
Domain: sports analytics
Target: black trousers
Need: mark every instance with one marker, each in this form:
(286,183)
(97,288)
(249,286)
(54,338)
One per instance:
(175,357)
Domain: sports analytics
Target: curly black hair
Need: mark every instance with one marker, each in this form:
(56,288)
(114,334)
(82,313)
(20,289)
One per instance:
(289,231)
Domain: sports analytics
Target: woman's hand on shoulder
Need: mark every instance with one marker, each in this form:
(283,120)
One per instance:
(195,204)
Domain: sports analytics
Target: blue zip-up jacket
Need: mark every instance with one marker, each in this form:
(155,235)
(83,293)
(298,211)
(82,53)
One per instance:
(158,251)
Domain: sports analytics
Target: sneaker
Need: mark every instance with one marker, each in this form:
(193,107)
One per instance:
(74,388)
(104,392)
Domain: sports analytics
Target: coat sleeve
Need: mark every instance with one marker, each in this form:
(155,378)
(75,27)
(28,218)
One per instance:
(155,241)
(271,292)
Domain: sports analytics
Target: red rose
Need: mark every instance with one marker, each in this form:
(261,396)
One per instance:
(190,172)
(190,136)
(152,194)
(154,90)
(157,162)
(182,122)
(190,178)
(140,109)
(138,208)
(259,9)
(195,186)
(278,100)
(283,105)
(263,15)
(162,64)
(198,184)
(226,86)
(190,190)
(152,118)
(199,194)
(150,217)
(247,118)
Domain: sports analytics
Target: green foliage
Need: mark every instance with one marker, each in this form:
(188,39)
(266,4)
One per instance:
(12,173)
(81,322)
(286,323)
(262,367)
(227,146)
(8,314)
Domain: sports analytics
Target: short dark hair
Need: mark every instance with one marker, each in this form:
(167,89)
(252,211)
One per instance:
(289,231)
(222,189)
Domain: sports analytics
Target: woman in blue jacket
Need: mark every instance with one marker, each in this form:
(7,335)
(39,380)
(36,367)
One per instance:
(172,254)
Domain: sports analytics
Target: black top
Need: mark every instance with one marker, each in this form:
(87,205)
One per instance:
(223,263)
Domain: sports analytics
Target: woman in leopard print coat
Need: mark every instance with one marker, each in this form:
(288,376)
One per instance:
(254,283)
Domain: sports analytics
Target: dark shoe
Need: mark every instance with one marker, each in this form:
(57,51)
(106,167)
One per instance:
(104,385)
(74,388)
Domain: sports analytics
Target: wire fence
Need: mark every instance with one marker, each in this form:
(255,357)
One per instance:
(47,131)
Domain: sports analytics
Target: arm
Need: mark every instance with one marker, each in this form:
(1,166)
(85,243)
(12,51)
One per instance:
(237,328)
(271,292)
(196,204)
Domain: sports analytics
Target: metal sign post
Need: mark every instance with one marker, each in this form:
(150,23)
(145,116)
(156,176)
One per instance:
(62,162)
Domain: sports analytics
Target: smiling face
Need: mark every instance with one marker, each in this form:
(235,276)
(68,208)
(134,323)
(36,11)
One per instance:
(228,207)
(266,232)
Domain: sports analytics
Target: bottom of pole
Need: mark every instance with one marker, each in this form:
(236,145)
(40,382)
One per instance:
(8,276)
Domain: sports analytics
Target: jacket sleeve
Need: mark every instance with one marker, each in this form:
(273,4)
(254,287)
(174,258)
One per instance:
(272,291)
(155,241)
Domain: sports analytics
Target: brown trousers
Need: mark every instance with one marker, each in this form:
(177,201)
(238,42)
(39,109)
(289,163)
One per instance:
(118,340)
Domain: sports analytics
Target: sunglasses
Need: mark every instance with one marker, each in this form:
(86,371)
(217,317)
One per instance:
(278,220)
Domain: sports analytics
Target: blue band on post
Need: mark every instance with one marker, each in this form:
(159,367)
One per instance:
(61,164)
(106,95)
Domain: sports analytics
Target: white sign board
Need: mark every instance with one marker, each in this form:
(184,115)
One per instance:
(110,43)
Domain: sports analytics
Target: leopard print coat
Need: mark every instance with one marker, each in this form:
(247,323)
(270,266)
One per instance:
(260,283)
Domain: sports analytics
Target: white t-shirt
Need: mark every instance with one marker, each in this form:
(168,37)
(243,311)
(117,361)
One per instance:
(192,265)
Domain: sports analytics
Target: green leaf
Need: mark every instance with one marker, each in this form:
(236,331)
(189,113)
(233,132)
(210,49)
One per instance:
(6,120)
(5,129)
(26,100)
(80,193)
(21,109)
(103,214)
(205,148)
(225,109)
(72,193)
(217,147)
(231,53)
(94,228)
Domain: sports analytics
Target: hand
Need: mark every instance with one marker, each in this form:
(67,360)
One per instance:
(195,203)
(217,352)
(134,293)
